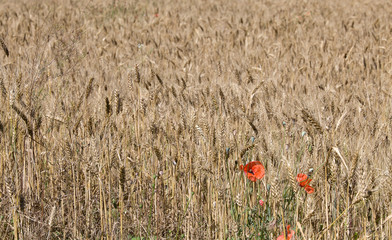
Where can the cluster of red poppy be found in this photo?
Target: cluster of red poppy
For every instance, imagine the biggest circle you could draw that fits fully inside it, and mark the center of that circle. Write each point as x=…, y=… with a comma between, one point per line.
x=304, y=181
x=255, y=171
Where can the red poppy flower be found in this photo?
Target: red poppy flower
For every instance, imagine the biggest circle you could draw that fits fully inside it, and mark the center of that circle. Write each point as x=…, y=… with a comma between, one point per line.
x=254, y=170
x=289, y=234
x=261, y=202
x=309, y=189
x=304, y=181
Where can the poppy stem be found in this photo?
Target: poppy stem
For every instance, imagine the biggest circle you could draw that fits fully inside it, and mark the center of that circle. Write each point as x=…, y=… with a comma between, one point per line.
x=234, y=207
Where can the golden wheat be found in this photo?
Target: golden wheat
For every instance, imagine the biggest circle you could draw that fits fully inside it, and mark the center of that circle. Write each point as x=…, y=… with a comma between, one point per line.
x=123, y=120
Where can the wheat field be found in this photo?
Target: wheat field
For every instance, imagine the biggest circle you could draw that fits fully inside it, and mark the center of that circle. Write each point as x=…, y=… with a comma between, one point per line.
x=130, y=119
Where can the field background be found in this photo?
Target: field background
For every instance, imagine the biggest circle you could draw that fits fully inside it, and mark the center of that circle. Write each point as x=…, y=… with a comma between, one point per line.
x=129, y=119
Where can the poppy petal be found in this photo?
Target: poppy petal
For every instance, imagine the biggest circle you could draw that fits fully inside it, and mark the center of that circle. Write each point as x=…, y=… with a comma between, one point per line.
x=289, y=234
x=281, y=237
x=250, y=165
x=303, y=180
x=305, y=183
x=258, y=171
x=309, y=189
x=301, y=177
x=254, y=170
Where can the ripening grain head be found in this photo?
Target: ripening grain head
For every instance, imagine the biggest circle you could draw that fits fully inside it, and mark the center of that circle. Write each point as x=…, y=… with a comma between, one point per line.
x=131, y=120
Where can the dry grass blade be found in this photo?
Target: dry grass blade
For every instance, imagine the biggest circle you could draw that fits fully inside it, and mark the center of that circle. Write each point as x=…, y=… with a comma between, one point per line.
x=353, y=166
x=89, y=88
x=3, y=89
x=4, y=47
x=24, y=117
x=51, y=216
x=340, y=156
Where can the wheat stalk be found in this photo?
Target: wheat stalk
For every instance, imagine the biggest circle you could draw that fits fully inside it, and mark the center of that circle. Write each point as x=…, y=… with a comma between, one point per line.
x=307, y=117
